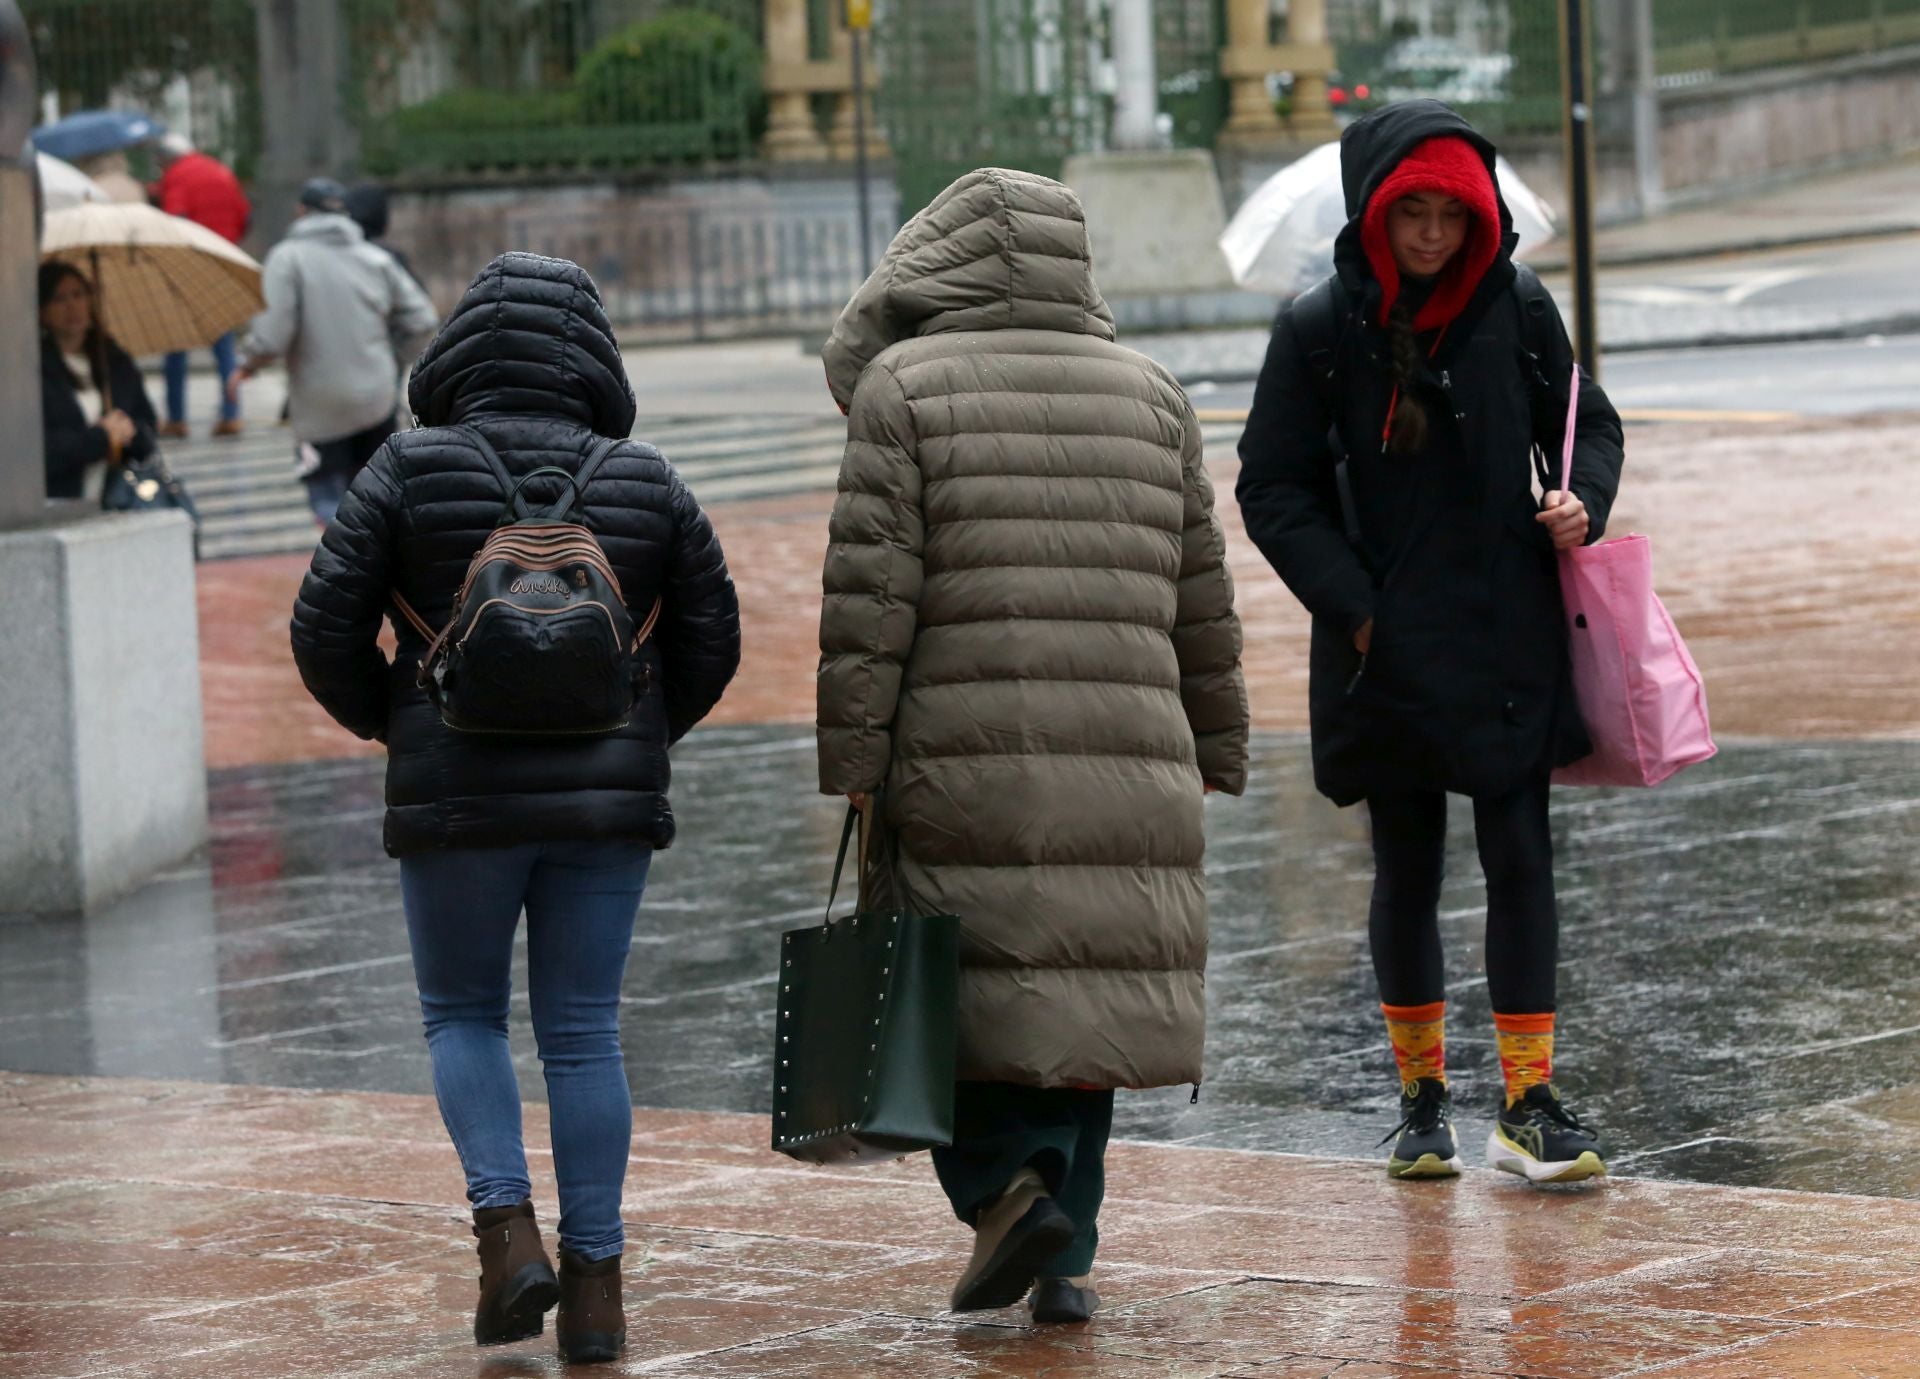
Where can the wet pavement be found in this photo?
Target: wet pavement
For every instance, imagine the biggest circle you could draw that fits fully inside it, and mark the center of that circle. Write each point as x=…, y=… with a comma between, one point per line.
x=1740, y=987
x=159, y=1230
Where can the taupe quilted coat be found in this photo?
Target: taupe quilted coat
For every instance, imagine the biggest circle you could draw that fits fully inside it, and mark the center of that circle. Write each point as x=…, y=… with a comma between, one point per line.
x=1029, y=638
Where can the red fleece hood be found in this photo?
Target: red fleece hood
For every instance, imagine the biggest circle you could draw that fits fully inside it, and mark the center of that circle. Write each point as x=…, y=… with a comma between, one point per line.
x=1452, y=167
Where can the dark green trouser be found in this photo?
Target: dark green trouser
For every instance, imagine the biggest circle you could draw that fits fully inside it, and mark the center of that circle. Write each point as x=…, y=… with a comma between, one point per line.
x=1000, y=1128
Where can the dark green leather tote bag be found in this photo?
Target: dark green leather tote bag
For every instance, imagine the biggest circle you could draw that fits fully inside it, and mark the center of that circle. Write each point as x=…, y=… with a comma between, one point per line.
x=863, y=1053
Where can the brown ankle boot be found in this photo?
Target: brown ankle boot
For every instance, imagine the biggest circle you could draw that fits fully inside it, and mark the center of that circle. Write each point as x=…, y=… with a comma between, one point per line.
x=517, y=1285
x=592, y=1325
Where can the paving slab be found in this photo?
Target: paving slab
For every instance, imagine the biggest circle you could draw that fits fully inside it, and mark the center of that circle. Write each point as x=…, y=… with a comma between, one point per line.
x=116, y=1268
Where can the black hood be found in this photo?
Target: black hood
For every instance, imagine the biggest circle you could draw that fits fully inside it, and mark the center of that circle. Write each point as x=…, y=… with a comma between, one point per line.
x=1373, y=146
x=367, y=205
x=529, y=338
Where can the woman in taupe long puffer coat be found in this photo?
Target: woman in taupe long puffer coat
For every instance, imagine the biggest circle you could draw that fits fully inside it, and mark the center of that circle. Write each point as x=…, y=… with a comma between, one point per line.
x=1029, y=641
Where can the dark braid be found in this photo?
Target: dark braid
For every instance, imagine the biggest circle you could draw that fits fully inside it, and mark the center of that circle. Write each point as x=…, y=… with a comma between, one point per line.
x=1409, y=415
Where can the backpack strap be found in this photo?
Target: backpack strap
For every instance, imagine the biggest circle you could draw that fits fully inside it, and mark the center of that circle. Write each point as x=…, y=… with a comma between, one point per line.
x=1319, y=317
x=597, y=453
x=1535, y=308
x=596, y=456
x=1319, y=321
x=398, y=444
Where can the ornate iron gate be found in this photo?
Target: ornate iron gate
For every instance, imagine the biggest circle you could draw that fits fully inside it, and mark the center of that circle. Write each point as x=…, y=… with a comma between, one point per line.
x=1189, y=35
x=986, y=83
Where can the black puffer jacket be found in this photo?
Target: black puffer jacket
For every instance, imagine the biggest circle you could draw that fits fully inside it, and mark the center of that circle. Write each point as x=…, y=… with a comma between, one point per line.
x=1466, y=686
x=71, y=443
x=528, y=358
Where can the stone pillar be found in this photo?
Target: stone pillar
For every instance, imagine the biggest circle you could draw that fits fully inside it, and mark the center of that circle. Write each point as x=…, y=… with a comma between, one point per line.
x=23, y=474
x=1250, y=58
x=1310, y=57
x=792, y=136
x=1250, y=112
x=102, y=735
x=1137, y=97
x=303, y=121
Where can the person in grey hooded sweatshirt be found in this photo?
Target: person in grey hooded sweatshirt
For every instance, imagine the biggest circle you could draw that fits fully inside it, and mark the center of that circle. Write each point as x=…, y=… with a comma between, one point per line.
x=342, y=314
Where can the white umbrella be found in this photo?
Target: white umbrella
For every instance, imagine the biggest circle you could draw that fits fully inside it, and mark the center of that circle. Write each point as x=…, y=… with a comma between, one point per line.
x=64, y=186
x=160, y=283
x=1281, y=240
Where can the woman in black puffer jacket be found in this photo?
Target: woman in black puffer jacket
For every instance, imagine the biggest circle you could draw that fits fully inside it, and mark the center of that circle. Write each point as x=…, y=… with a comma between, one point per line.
x=482, y=827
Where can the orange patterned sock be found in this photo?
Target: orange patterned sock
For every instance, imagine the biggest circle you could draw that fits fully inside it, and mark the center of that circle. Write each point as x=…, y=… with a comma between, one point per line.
x=1526, y=1051
x=1419, y=1035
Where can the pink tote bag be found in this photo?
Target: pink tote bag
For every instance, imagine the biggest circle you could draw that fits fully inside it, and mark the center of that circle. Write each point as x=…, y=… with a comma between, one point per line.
x=1639, y=691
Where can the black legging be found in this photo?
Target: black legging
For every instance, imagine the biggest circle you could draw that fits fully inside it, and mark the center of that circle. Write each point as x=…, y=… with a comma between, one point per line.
x=1523, y=922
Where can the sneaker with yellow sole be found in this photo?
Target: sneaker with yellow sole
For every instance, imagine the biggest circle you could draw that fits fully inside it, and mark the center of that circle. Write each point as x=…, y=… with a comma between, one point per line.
x=1540, y=1140
x=1424, y=1145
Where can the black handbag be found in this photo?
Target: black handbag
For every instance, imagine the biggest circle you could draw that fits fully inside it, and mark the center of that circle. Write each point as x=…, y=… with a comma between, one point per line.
x=863, y=1055
x=137, y=486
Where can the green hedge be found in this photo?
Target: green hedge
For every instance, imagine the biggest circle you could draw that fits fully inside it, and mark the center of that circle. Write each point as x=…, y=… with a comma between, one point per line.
x=682, y=87
x=684, y=68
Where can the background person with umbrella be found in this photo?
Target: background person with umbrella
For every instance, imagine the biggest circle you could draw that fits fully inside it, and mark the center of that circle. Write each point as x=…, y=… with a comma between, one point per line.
x=96, y=142
x=341, y=312
x=93, y=403
x=200, y=188
x=159, y=283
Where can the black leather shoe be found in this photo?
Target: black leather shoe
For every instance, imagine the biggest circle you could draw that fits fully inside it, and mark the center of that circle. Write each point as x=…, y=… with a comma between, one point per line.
x=1062, y=1301
x=1005, y=1265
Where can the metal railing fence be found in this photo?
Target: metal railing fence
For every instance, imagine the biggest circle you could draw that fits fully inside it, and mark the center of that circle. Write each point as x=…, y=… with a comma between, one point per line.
x=697, y=269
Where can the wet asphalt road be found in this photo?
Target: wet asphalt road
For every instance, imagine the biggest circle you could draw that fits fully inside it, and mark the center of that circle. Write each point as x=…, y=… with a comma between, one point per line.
x=1740, y=985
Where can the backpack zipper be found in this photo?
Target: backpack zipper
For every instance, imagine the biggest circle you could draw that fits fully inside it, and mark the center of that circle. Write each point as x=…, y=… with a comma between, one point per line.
x=612, y=626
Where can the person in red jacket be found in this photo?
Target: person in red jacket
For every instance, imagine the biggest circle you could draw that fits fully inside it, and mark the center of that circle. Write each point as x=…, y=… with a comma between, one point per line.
x=202, y=189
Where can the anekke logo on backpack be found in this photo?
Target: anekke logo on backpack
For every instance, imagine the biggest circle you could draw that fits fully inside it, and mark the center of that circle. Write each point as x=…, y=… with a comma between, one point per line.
x=544, y=584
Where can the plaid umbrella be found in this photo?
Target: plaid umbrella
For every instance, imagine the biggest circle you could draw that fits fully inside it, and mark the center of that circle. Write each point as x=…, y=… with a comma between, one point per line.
x=160, y=283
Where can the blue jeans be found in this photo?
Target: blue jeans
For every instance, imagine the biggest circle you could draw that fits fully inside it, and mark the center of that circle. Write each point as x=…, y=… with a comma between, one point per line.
x=223, y=360
x=463, y=906
x=326, y=490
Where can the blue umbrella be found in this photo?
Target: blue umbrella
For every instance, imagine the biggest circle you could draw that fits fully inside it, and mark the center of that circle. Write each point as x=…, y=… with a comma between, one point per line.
x=93, y=132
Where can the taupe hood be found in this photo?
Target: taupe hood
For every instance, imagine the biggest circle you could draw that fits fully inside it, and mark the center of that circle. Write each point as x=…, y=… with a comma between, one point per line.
x=997, y=250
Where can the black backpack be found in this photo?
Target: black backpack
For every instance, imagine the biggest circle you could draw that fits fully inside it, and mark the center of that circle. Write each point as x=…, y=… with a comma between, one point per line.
x=540, y=641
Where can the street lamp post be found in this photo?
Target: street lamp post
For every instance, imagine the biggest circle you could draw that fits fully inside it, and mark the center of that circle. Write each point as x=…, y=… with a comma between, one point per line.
x=1576, y=59
x=859, y=24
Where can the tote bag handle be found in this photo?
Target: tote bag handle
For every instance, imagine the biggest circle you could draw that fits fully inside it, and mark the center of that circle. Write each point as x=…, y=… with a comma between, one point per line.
x=1566, y=445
